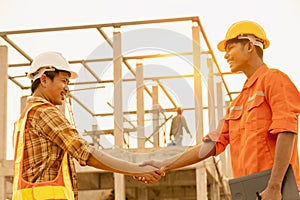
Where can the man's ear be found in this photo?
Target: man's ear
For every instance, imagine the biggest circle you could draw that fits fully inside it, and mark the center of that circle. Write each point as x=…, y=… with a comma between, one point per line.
x=43, y=79
x=250, y=46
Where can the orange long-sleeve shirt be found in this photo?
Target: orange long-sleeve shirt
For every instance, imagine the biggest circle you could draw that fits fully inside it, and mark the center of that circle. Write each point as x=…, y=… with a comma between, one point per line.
x=268, y=104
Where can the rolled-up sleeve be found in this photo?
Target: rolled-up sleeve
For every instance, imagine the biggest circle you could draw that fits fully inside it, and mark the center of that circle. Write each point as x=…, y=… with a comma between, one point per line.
x=284, y=100
x=220, y=136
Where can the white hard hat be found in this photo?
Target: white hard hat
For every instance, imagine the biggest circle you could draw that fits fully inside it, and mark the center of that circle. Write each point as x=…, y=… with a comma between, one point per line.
x=49, y=61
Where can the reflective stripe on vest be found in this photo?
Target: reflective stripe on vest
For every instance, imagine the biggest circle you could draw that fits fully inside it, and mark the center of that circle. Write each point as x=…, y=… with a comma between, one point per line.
x=59, y=188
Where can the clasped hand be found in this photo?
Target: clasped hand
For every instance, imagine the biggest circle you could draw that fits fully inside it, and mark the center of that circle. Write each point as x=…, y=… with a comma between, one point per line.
x=153, y=176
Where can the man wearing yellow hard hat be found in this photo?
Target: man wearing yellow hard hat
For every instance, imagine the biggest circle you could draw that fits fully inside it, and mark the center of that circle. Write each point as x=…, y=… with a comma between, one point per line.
x=261, y=124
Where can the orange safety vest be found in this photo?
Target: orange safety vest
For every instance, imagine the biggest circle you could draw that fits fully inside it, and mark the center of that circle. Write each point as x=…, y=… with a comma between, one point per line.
x=59, y=188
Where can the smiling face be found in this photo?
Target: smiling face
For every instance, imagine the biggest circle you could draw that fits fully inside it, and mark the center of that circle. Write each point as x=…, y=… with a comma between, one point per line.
x=54, y=90
x=237, y=55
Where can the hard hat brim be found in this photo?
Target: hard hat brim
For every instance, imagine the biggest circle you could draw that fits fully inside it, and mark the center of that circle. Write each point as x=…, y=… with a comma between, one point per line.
x=221, y=45
x=50, y=60
x=73, y=74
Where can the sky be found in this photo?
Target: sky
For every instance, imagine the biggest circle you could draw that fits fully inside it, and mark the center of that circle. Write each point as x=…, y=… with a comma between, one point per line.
x=279, y=18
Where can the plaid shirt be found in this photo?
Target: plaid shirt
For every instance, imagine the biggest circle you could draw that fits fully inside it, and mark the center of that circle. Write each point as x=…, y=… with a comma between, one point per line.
x=48, y=134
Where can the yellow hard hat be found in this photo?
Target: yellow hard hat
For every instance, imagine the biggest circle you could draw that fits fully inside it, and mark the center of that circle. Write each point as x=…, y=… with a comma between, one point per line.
x=245, y=28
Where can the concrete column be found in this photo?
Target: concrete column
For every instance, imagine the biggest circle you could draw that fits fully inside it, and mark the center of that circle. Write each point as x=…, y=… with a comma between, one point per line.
x=197, y=83
x=155, y=120
x=201, y=172
x=215, y=190
x=228, y=171
x=140, y=110
x=118, y=107
x=211, y=96
x=220, y=101
x=119, y=185
x=3, y=115
x=95, y=137
x=2, y=187
x=220, y=115
x=3, y=99
x=201, y=183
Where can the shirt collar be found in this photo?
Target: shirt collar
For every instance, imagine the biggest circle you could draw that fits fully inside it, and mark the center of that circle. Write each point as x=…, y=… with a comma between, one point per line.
x=37, y=99
x=255, y=76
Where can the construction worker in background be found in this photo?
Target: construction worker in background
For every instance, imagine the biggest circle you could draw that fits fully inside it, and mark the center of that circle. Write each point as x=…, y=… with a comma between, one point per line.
x=45, y=143
x=177, y=125
x=261, y=123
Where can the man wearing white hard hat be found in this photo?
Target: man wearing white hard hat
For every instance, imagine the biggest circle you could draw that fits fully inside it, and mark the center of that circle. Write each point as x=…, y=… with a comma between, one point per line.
x=261, y=124
x=45, y=143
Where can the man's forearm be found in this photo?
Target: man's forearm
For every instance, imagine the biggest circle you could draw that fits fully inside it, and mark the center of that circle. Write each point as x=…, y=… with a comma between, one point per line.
x=102, y=160
x=283, y=154
x=191, y=156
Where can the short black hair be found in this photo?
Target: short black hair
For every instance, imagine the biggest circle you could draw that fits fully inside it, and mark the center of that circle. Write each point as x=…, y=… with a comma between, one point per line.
x=49, y=74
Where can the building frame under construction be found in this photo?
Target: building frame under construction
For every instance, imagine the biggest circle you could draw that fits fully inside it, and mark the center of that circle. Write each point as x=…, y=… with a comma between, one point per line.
x=204, y=180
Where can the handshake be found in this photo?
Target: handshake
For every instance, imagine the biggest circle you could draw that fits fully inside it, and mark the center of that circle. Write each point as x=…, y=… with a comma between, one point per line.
x=148, y=172
x=151, y=172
